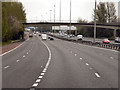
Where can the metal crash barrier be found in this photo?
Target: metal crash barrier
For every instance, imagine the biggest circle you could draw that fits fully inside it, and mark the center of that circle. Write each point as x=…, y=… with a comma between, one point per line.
x=97, y=44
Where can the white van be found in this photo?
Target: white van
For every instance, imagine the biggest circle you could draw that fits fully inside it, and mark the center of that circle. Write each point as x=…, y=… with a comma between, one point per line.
x=44, y=36
x=79, y=37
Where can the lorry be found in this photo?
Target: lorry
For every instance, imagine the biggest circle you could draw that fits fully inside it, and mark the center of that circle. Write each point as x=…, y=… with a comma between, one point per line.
x=44, y=36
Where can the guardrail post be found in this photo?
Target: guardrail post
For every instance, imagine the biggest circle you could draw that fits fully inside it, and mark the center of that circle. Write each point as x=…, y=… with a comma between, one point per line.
x=115, y=33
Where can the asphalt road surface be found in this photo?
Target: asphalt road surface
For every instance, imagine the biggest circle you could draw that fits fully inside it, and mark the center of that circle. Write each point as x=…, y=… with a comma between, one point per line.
x=71, y=65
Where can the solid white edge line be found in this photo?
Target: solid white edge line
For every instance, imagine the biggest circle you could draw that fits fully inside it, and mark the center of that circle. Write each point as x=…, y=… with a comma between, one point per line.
x=12, y=49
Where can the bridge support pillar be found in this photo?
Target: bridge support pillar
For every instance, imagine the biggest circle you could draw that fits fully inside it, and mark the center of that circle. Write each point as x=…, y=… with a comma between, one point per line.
x=115, y=33
x=75, y=32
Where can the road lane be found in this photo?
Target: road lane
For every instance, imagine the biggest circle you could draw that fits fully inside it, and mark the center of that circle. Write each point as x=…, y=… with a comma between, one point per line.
x=72, y=65
x=77, y=66
x=22, y=74
x=100, y=60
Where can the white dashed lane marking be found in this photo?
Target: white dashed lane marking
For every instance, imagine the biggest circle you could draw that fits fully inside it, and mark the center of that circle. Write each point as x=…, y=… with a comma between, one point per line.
x=75, y=54
x=23, y=56
x=38, y=80
x=40, y=77
x=87, y=64
x=97, y=75
x=17, y=60
x=42, y=74
x=35, y=85
x=80, y=58
x=44, y=70
x=6, y=67
x=111, y=57
x=27, y=52
x=91, y=68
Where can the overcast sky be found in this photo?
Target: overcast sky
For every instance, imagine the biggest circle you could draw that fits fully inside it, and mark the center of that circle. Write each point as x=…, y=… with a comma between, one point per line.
x=40, y=9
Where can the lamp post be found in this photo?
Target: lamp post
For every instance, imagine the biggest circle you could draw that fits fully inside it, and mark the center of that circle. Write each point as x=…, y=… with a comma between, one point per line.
x=60, y=14
x=95, y=22
x=50, y=15
x=70, y=16
x=54, y=16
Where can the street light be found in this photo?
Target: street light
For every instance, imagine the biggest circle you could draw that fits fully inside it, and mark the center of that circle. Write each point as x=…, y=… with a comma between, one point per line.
x=70, y=16
x=60, y=10
x=50, y=20
x=54, y=16
x=60, y=14
x=50, y=15
x=95, y=22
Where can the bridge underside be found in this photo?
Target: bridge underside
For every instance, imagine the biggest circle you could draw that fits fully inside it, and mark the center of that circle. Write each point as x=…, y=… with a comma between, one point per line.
x=43, y=24
x=73, y=24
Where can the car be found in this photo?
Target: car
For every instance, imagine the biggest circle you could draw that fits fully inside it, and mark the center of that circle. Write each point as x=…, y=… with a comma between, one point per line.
x=44, y=36
x=80, y=37
x=106, y=41
x=51, y=38
x=30, y=35
x=39, y=34
x=117, y=40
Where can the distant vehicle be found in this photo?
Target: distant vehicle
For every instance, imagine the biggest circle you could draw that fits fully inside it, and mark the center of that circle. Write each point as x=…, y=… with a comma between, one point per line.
x=71, y=35
x=80, y=37
x=30, y=34
x=106, y=41
x=39, y=34
x=117, y=39
x=44, y=36
x=51, y=38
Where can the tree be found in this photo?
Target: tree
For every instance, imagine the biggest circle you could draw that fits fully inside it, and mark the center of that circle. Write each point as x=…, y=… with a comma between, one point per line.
x=106, y=13
x=111, y=12
x=101, y=13
x=12, y=18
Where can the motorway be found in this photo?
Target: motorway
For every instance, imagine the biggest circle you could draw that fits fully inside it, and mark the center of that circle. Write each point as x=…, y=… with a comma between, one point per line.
x=71, y=65
x=87, y=39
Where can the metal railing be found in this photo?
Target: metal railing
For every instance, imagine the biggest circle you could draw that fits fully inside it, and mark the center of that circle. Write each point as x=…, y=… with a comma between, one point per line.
x=97, y=44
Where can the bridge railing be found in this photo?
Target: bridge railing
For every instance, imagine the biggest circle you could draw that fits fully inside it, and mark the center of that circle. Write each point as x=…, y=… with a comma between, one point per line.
x=97, y=44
